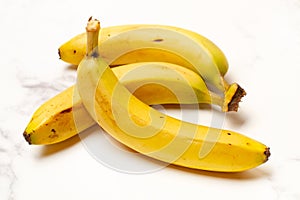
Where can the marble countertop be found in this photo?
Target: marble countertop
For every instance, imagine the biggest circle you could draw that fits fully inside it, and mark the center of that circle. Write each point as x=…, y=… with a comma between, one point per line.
x=261, y=39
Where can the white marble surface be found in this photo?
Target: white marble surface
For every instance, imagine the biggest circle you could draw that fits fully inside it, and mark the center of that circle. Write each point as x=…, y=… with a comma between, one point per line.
x=261, y=39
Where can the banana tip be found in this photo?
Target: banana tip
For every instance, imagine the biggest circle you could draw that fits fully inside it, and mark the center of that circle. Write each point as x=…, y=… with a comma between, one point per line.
x=59, y=54
x=27, y=137
x=267, y=153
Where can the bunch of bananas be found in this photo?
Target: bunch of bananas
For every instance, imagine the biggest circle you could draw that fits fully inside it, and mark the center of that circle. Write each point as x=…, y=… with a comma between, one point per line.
x=122, y=70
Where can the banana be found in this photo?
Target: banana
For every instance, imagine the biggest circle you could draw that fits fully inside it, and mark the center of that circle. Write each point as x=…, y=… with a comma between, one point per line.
x=151, y=82
x=136, y=43
x=75, y=49
x=150, y=132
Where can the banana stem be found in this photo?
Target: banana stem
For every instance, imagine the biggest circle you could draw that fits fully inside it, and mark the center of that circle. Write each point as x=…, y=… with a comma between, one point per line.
x=216, y=99
x=233, y=94
x=226, y=85
x=92, y=29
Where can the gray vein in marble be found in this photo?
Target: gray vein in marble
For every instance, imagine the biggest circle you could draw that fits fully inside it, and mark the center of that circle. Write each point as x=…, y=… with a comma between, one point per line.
x=7, y=156
x=35, y=92
x=38, y=90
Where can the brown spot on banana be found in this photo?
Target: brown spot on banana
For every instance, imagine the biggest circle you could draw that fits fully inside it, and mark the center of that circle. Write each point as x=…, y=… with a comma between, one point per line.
x=53, y=134
x=158, y=40
x=66, y=110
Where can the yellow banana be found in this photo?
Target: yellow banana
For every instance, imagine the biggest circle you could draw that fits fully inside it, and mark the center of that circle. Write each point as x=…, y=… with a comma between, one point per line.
x=153, y=133
x=151, y=82
x=74, y=50
x=136, y=43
